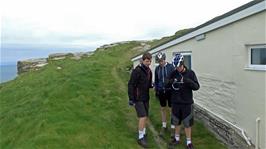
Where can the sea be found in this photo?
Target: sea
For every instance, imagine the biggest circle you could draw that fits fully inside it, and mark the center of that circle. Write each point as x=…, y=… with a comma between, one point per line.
x=11, y=53
x=8, y=72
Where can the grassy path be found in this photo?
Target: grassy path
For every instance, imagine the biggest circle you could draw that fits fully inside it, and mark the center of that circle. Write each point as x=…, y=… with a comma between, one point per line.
x=155, y=136
x=81, y=106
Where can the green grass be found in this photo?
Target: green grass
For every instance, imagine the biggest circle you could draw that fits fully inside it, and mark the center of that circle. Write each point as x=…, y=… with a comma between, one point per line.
x=166, y=39
x=82, y=105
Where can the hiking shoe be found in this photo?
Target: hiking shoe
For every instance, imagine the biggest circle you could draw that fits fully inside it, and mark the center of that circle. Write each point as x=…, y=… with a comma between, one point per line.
x=142, y=142
x=173, y=142
x=146, y=137
x=172, y=133
x=163, y=132
x=190, y=146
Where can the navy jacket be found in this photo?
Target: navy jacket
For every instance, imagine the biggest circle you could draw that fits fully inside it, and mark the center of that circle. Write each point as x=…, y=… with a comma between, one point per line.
x=161, y=75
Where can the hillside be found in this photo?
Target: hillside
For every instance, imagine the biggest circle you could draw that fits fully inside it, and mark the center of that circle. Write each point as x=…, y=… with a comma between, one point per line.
x=157, y=42
x=82, y=105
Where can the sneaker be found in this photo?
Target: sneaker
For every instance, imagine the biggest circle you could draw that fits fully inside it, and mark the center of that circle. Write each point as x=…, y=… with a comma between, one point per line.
x=146, y=137
x=172, y=133
x=142, y=142
x=190, y=146
x=173, y=142
x=163, y=132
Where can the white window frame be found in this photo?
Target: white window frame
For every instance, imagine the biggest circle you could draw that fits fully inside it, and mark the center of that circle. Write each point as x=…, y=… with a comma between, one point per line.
x=252, y=66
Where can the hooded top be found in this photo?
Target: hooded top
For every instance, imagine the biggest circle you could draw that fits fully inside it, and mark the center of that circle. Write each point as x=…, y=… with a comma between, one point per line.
x=161, y=76
x=184, y=94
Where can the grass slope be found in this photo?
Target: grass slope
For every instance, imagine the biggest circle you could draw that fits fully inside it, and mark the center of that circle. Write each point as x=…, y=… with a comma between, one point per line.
x=82, y=105
x=157, y=42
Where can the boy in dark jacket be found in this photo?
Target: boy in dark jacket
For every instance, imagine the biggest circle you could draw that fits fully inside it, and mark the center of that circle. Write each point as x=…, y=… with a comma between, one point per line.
x=138, y=92
x=183, y=81
x=163, y=93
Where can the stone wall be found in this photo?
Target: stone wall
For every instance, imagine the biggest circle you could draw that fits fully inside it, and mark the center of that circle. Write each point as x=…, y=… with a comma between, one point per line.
x=222, y=130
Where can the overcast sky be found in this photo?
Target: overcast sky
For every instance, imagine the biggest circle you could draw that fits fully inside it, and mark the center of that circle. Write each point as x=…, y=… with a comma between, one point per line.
x=91, y=23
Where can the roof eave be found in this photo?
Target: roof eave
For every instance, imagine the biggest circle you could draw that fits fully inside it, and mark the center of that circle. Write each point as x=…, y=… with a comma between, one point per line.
x=239, y=13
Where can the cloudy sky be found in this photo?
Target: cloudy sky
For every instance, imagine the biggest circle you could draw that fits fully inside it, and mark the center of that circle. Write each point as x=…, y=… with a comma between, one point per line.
x=29, y=27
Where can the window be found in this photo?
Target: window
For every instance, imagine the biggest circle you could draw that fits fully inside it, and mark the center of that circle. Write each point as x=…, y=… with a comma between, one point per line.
x=187, y=58
x=257, y=57
x=155, y=60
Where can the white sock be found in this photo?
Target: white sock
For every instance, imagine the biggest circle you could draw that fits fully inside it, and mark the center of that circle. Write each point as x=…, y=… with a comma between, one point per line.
x=177, y=137
x=188, y=141
x=173, y=126
x=164, y=124
x=144, y=131
x=141, y=134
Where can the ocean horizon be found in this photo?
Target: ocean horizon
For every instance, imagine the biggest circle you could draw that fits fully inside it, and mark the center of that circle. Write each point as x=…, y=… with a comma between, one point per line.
x=8, y=72
x=12, y=53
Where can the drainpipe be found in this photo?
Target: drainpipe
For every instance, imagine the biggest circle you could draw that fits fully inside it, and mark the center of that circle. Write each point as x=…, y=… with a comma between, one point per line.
x=245, y=136
x=257, y=133
x=240, y=129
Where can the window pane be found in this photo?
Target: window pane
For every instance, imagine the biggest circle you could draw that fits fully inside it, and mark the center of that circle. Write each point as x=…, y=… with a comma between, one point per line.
x=258, y=56
x=187, y=61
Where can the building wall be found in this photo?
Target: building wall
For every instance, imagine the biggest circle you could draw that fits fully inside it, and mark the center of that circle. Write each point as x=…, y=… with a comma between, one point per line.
x=135, y=63
x=228, y=89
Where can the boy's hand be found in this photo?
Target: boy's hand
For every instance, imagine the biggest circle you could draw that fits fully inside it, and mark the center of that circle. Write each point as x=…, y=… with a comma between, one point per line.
x=131, y=102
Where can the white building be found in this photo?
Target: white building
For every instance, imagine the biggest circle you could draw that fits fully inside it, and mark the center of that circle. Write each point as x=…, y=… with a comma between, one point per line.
x=228, y=54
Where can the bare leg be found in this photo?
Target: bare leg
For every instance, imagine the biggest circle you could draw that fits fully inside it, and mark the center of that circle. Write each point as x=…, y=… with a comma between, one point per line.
x=170, y=117
x=177, y=129
x=188, y=132
x=188, y=135
x=142, y=123
x=176, y=136
x=163, y=112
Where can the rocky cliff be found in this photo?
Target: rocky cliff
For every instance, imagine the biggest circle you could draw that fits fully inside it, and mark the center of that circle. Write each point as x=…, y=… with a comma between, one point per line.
x=36, y=64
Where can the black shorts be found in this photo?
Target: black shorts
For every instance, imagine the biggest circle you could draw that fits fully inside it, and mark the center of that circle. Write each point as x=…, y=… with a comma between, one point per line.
x=165, y=98
x=142, y=108
x=182, y=113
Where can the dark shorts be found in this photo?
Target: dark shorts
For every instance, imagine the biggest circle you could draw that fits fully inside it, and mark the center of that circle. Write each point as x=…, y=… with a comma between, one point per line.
x=165, y=98
x=142, y=108
x=182, y=113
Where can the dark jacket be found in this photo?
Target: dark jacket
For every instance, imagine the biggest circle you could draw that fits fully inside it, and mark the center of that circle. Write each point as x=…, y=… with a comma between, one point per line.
x=161, y=75
x=139, y=83
x=190, y=82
